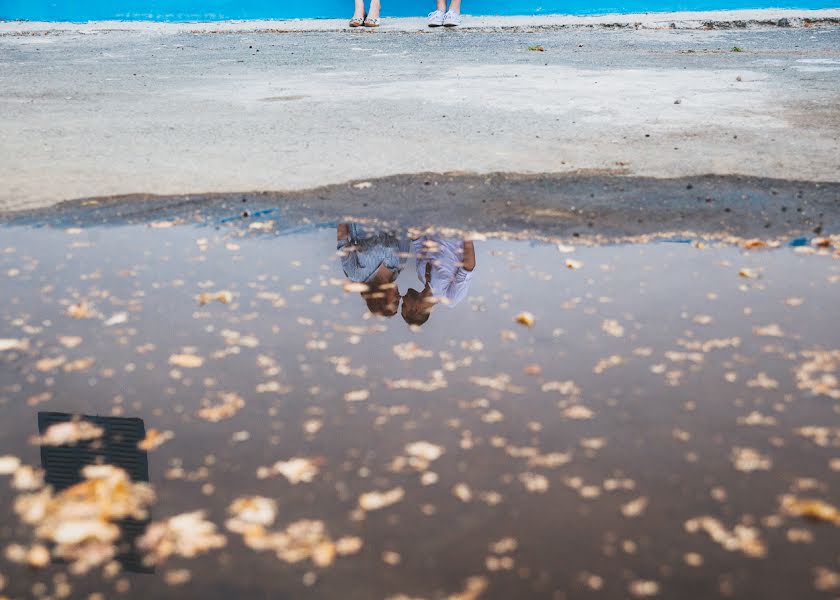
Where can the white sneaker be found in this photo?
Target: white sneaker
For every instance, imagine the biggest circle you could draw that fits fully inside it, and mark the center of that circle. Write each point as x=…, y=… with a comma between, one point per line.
x=436, y=18
x=451, y=19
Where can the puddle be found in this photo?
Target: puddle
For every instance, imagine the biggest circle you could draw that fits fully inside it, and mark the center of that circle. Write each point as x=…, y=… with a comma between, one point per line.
x=647, y=435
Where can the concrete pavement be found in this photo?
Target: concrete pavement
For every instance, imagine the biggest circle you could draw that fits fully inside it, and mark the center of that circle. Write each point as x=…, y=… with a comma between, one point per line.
x=93, y=110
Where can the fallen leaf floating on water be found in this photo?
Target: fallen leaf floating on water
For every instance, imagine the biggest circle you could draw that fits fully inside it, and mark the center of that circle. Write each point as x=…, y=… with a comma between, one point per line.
x=748, y=460
x=8, y=464
x=357, y=396
x=816, y=510
x=352, y=287
x=772, y=330
x=534, y=482
x=578, y=412
x=80, y=310
x=37, y=555
x=7, y=344
x=525, y=318
x=348, y=545
x=463, y=492
x=377, y=500
x=504, y=546
x=80, y=520
x=634, y=508
x=249, y=512
x=742, y=538
x=820, y=435
x=186, y=361
x=116, y=319
x=27, y=478
x=424, y=450
x=186, y=535
x=819, y=373
x=573, y=264
x=473, y=588
x=296, y=470
x=756, y=418
x=826, y=580
x=437, y=381
x=607, y=363
x=230, y=405
x=177, y=577
x=764, y=381
x=81, y=364
x=69, y=432
x=612, y=327
x=748, y=273
x=643, y=588
x=302, y=539
x=223, y=296
x=500, y=382
x=312, y=426
x=155, y=439
x=566, y=388
x=410, y=351
x=552, y=460
x=69, y=341
x=48, y=364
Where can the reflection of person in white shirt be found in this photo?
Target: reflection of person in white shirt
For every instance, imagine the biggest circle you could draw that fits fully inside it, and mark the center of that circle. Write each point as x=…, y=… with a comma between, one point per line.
x=445, y=268
x=376, y=259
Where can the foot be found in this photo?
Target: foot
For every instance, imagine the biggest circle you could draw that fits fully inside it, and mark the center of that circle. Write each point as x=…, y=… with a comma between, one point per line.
x=451, y=19
x=436, y=18
x=358, y=15
x=373, y=12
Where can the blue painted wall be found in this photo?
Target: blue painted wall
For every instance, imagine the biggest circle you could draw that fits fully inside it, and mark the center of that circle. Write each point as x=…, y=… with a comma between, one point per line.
x=211, y=10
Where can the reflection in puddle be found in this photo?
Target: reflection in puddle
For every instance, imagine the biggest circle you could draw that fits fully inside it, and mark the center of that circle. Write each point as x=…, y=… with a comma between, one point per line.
x=375, y=259
x=664, y=423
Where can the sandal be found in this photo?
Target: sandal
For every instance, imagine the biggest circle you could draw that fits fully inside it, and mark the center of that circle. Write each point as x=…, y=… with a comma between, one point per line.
x=358, y=21
x=371, y=22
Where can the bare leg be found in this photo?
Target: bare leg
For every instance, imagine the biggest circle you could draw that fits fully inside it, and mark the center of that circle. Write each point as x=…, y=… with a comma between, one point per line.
x=373, y=11
x=441, y=5
x=455, y=6
x=359, y=12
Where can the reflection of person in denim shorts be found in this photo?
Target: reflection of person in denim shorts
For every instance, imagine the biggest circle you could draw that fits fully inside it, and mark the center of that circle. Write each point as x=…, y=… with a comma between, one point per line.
x=375, y=258
x=445, y=268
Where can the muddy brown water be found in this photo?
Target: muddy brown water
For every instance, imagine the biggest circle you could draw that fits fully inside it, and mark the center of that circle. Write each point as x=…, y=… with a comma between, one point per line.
x=661, y=378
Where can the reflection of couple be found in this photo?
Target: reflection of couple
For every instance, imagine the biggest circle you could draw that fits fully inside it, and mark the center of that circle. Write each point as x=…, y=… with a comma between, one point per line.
x=444, y=267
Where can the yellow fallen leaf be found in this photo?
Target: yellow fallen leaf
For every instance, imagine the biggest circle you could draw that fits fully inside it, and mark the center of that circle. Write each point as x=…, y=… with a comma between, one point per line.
x=80, y=310
x=186, y=361
x=223, y=296
x=816, y=510
x=525, y=318
x=377, y=500
x=155, y=439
